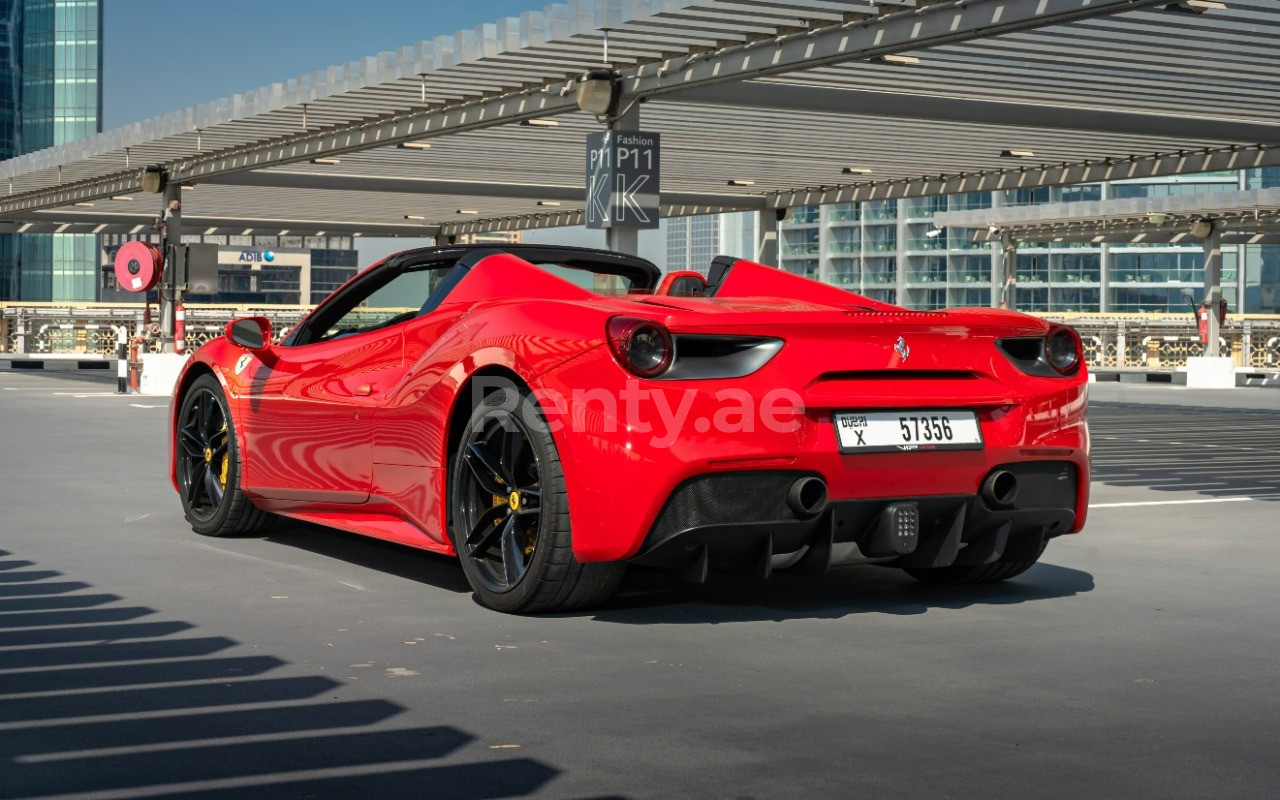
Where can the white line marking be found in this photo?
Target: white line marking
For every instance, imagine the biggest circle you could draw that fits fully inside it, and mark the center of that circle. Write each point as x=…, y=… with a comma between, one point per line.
x=1178, y=502
x=140, y=405
x=273, y=562
x=90, y=394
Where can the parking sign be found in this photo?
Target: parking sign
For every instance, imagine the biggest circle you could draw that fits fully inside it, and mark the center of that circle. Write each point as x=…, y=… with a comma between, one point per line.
x=623, y=175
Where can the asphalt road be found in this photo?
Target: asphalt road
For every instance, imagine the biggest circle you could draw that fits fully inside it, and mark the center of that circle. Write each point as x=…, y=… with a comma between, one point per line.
x=1139, y=660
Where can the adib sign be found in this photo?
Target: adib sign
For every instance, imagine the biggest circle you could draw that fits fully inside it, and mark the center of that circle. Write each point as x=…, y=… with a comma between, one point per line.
x=261, y=258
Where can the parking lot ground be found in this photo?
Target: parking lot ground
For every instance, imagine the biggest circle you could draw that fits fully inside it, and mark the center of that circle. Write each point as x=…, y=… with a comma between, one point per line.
x=1138, y=660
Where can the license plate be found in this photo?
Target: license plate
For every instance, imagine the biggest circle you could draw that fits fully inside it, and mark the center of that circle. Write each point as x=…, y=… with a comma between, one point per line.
x=907, y=431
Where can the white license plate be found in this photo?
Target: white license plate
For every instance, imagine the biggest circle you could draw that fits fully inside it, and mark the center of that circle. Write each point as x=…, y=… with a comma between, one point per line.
x=907, y=431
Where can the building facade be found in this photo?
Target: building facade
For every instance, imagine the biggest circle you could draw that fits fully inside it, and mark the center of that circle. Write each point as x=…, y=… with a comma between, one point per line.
x=693, y=241
x=50, y=94
x=891, y=251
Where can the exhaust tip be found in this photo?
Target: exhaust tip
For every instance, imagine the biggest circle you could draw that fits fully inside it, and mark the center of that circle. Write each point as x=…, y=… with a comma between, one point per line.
x=1000, y=489
x=807, y=497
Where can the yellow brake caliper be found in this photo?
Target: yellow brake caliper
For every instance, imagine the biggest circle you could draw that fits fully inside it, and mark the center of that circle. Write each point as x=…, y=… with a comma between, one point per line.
x=226, y=460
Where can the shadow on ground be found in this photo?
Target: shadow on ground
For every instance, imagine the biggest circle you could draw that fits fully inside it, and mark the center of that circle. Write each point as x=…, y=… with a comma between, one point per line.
x=100, y=696
x=649, y=596
x=1216, y=452
x=420, y=566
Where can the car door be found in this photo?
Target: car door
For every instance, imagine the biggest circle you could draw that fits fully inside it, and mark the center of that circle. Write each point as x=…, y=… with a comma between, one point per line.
x=312, y=410
x=310, y=417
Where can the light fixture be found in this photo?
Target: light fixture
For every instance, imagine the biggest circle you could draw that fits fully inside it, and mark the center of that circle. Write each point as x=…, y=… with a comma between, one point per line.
x=539, y=122
x=897, y=60
x=1196, y=6
x=1156, y=218
x=548, y=202
x=1017, y=154
x=598, y=92
x=419, y=145
x=123, y=198
x=414, y=217
x=326, y=160
x=153, y=180
x=1201, y=228
x=467, y=211
x=85, y=204
x=739, y=182
x=856, y=170
x=933, y=234
x=993, y=229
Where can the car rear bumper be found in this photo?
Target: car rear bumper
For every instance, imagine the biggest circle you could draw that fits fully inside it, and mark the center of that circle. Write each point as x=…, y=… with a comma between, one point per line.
x=743, y=522
x=620, y=476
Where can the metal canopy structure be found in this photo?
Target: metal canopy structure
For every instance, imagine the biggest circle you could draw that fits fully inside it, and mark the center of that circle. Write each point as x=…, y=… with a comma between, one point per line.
x=917, y=97
x=1248, y=217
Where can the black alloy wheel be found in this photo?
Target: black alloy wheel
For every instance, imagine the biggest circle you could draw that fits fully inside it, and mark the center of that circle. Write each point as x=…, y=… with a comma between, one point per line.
x=204, y=458
x=208, y=465
x=509, y=513
x=502, y=500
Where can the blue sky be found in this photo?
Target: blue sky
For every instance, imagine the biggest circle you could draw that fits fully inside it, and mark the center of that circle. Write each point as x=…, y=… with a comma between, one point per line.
x=164, y=57
x=161, y=57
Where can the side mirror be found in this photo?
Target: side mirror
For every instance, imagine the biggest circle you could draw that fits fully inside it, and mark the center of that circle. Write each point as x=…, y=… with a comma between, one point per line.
x=251, y=333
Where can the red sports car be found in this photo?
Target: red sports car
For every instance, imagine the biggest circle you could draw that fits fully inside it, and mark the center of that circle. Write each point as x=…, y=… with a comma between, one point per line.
x=552, y=414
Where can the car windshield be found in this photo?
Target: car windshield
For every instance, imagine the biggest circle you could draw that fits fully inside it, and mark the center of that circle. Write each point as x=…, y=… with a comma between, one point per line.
x=397, y=300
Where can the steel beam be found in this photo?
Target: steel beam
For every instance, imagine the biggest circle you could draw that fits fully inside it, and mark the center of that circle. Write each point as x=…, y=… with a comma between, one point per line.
x=1144, y=234
x=928, y=26
x=914, y=29
x=559, y=219
x=823, y=100
x=1150, y=166
x=527, y=191
x=129, y=224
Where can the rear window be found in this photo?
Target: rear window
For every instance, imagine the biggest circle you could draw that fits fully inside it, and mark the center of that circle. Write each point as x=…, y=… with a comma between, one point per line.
x=598, y=282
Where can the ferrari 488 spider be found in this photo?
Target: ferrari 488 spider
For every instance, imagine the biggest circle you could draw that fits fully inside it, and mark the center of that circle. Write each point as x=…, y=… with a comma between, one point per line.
x=550, y=415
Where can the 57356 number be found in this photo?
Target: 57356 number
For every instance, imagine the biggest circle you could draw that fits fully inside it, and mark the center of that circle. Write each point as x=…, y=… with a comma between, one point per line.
x=925, y=429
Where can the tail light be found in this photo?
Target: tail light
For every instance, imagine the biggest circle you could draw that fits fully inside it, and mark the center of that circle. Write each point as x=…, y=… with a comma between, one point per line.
x=642, y=346
x=1063, y=349
x=1059, y=353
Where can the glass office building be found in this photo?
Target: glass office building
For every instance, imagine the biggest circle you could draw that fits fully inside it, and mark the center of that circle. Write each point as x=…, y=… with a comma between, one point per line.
x=50, y=94
x=890, y=250
x=693, y=241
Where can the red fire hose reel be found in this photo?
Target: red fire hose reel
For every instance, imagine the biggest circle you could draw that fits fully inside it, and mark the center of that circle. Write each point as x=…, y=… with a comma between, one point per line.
x=138, y=266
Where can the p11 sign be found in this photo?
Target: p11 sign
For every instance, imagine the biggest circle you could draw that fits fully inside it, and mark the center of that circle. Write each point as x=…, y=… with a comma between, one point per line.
x=623, y=177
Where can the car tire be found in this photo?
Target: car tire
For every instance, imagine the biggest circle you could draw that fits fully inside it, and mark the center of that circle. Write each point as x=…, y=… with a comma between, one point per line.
x=547, y=578
x=216, y=506
x=974, y=574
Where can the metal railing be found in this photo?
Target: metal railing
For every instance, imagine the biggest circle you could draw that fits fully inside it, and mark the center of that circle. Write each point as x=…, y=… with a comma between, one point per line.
x=1139, y=341
x=1160, y=342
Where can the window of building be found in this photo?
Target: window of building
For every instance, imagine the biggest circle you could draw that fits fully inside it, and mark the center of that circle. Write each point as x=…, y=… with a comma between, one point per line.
x=971, y=269
x=1033, y=268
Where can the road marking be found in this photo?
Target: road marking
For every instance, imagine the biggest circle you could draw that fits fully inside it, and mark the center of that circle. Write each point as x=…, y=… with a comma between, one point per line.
x=300, y=568
x=1179, y=502
x=90, y=394
x=140, y=405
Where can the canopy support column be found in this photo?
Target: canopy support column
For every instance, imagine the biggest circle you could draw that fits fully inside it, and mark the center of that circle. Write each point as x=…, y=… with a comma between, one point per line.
x=767, y=237
x=174, y=280
x=1213, y=286
x=624, y=240
x=1007, y=273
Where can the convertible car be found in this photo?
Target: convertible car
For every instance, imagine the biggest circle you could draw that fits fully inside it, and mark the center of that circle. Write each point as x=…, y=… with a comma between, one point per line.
x=550, y=415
